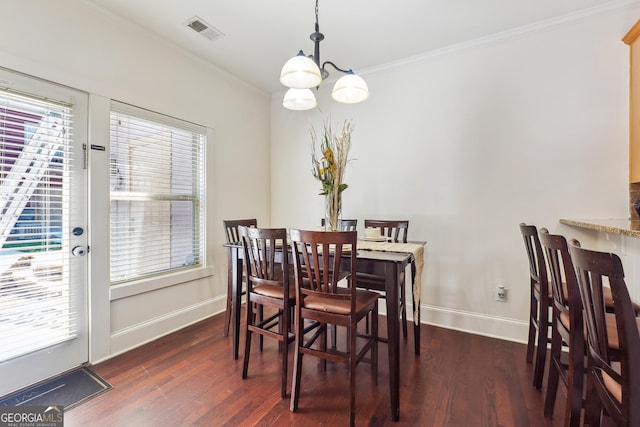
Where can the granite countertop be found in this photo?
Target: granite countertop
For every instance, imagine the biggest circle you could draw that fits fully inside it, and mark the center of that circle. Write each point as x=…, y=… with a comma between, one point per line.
x=621, y=226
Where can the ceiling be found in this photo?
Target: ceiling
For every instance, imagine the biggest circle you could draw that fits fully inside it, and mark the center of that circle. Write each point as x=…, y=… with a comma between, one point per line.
x=260, y=35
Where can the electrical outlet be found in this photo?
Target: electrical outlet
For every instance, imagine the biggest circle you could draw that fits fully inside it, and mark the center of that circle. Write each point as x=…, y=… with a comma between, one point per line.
x=501, y=293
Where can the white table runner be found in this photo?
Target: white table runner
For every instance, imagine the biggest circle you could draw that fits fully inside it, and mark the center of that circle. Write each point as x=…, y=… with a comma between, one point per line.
x=418, y=252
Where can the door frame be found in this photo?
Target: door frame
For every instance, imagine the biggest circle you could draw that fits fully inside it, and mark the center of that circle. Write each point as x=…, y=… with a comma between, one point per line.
x=37, y=366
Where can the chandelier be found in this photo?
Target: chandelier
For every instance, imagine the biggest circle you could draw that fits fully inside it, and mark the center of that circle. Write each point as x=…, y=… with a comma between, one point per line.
x=301, y=73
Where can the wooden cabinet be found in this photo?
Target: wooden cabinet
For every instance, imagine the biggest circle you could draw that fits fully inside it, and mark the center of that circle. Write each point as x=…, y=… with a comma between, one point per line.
x=633, y=40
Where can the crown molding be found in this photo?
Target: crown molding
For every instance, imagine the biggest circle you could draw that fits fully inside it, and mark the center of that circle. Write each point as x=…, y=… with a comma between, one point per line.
x=509, y=34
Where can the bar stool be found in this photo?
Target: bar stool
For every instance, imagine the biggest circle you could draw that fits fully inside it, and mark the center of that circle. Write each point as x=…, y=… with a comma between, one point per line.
x=540, y=302
x=396, y=231
x=318, y=265
x=267, y=286
x=567, y=331
x=232, y=236
x=613, y=381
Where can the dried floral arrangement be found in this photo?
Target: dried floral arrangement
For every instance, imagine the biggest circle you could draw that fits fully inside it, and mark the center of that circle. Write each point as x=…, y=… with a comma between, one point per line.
x=328, y=166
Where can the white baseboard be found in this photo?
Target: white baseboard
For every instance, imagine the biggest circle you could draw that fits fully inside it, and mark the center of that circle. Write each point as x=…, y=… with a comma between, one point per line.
x=465, y=321
x=475, y=323
x=140, y=334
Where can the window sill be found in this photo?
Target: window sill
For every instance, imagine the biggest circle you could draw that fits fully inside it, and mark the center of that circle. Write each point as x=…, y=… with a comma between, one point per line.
x=125, y=290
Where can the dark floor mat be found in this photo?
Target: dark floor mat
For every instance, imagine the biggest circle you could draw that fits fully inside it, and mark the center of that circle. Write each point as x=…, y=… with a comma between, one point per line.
x=68, y=390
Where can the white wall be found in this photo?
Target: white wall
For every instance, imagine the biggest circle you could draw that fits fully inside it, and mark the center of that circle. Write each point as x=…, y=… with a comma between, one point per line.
x=528, y=126
x=75, y=44
x=466, y=144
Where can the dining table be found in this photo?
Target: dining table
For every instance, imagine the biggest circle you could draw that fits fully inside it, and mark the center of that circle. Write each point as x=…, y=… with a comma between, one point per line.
x=386, y=259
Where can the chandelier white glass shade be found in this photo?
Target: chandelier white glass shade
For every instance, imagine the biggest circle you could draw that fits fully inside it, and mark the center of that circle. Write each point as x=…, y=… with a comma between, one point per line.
x=299, y=99
x=350, y=89
x=300, y=72
x=304, y=72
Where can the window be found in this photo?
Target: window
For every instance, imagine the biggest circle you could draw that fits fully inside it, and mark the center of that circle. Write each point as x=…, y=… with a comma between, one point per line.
x=157, y=194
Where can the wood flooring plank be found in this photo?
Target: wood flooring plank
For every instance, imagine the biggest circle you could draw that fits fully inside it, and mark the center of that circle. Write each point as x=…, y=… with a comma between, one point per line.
x=189, y=378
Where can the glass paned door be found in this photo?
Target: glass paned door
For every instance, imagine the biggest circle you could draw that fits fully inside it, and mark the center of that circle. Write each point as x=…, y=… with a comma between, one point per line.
x=43, y=262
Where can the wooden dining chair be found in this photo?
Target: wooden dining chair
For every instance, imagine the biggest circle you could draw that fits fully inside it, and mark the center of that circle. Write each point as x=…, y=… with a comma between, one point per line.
x=613, y=381
x=567, y=332
x=344, y=224
x=396, y=231
x=320, y=259
x=268, y=286
x=539, y=304
x=232, y=236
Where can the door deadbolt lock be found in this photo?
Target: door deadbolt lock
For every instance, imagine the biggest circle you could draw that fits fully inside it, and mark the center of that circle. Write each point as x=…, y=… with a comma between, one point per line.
x=79, y=251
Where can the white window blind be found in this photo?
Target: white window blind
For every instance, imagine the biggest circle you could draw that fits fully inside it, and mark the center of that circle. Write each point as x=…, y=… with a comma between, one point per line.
x=37, y=307
x=157, y=194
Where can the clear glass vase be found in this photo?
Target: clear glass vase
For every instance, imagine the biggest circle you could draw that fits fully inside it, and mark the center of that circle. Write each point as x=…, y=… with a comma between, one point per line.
x=332, y=210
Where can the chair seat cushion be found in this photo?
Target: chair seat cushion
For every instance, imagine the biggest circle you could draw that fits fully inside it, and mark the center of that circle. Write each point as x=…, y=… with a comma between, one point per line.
x=273, y=291
x=564, y=319
x=340, y=306
x=613, y=386
x=566, y=322
x=537, y=286
x=612, y=331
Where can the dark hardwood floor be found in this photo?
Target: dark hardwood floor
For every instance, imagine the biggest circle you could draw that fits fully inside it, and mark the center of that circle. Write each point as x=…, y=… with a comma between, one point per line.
x=189, y=378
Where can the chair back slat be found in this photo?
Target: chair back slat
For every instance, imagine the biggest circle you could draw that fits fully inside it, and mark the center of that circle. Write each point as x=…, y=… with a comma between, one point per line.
x=319, y=259
x=260, y=247
x=348, y=224
x=231, y=228
x=344, y=224
x=396, y=230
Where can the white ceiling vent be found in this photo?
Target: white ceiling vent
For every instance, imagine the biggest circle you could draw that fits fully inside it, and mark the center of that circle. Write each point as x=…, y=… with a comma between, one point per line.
x=200, y=26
